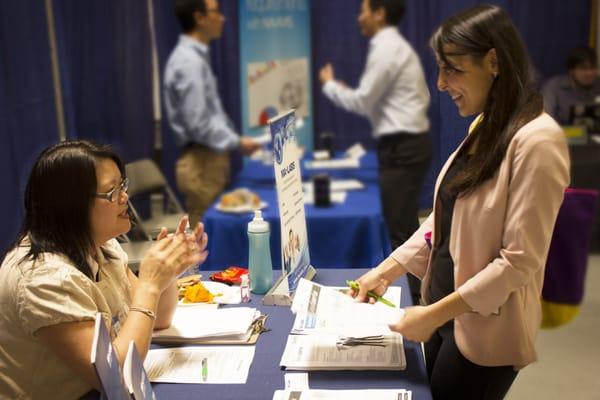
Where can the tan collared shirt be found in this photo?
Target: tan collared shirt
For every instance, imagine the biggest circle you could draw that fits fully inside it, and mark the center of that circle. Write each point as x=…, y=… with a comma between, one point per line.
x=47, y=292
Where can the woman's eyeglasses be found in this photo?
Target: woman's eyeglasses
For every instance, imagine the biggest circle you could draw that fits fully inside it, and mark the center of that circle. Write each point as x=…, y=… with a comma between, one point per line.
x=114, y=194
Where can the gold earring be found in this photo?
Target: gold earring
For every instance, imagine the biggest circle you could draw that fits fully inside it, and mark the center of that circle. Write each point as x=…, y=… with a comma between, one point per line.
x=495, y=74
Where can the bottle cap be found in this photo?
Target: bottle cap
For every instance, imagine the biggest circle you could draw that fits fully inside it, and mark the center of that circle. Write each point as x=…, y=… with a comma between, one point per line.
x=244, y=279
x=258, y=224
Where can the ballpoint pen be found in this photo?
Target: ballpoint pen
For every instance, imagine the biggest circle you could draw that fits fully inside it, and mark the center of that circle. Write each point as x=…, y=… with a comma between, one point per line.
x=204, y=369
x=355, y=286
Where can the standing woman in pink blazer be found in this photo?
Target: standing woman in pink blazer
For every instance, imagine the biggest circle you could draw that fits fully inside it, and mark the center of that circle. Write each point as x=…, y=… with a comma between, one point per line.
x=496, y=202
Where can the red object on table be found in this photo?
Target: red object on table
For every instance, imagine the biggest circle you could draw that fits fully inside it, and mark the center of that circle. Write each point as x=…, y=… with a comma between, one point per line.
x=230, y=276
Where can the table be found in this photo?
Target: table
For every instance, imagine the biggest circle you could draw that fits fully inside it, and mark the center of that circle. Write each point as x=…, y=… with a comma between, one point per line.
x=265, y=375
x=352, y=234
x=585, y=165
x=255, y=172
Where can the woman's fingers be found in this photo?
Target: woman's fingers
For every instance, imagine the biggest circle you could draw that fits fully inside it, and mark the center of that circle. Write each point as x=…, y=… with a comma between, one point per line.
x=163, y=243
x=203, y=242
x=203, y=255
x=362, y=293
x=162, y=234
x=199, y=230
x=175, y=253
x=178, y=240
x=183, y=222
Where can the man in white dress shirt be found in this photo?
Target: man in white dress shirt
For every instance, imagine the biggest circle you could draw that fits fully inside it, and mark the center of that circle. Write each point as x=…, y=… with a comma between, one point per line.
x=393, y=95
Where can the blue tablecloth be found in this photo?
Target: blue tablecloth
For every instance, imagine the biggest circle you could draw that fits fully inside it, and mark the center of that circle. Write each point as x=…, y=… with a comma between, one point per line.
x=352, y=234
x=265, y=375
x=341, y=236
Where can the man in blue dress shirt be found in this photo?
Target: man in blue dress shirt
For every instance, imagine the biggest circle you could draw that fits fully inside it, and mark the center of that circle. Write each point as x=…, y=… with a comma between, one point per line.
x=201, y=127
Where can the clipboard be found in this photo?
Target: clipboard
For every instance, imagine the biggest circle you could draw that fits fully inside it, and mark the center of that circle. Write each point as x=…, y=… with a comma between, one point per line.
x=251, y=337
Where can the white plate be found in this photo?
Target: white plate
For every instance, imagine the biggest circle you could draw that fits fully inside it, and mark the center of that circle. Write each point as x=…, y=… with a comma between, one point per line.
x=241, y=209
x=229, y=294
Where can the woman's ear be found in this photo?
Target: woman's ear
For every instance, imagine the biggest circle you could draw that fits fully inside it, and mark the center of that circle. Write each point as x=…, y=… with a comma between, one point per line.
x=492, y=62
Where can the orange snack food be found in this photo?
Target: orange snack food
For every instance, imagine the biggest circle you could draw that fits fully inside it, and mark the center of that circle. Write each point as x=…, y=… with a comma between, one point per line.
x=197, y=293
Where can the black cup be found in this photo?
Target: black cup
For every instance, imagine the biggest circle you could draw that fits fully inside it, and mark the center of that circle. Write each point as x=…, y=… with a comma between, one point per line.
x=321, y=185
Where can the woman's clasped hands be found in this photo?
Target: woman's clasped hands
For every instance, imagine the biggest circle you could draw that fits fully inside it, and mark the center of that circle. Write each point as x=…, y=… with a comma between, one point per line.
x=173, y=254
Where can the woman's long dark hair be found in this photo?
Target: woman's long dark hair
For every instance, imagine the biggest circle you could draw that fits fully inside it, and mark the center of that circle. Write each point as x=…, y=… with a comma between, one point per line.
x=59, y=197
x=512, y=101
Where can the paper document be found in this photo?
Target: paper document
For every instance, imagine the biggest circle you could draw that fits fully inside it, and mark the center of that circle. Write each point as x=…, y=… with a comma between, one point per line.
x=333, y=164
x=210, y=364
x=296, y=381
x=337, y=185
x=356, y=151
x=324, y=309
x=321, y=155
x=336, y=197
x=315, y=394
x=194, y=323
x=334, y=332
x=322, y=352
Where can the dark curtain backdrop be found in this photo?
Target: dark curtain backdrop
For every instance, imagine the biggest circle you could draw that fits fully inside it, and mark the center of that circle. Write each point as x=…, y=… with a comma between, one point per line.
x=549, y=36
x=27, y=113
x=104, y=49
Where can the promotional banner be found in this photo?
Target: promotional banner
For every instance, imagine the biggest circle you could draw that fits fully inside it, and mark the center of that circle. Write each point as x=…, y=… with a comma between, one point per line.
x=275, y=64
x=290, y=198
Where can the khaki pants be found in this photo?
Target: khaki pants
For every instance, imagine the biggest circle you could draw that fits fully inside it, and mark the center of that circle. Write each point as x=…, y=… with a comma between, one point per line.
x=202, y=175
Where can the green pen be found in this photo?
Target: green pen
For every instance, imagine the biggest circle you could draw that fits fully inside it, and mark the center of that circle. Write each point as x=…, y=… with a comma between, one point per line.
x=354, y=286
x=204, y=369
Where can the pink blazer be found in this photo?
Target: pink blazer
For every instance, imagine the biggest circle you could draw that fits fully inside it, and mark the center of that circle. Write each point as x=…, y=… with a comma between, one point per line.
x=499, y=241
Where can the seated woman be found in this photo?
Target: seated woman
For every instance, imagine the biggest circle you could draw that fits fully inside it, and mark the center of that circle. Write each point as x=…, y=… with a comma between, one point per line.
x=66, y=266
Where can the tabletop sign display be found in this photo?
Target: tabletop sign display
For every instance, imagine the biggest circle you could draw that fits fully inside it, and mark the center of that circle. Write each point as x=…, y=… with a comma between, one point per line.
x=106, y=364
x=135, y=377
x=295, y=257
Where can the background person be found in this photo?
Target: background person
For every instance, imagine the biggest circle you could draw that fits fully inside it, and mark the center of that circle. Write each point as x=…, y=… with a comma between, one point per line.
x=581, y=85
x=496, y=202
x=200, y=125
x=393, y=95
x=66, y=266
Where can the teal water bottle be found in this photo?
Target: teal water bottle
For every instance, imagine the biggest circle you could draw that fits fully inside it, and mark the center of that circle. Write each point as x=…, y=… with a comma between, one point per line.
x=259, y=255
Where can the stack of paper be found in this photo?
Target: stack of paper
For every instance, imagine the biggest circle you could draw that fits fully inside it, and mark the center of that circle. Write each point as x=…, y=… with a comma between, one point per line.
x=374, y=394
x=338, y=163
x=333, y=332
x=206, y=364
x=201, y=325
x=323, y=309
